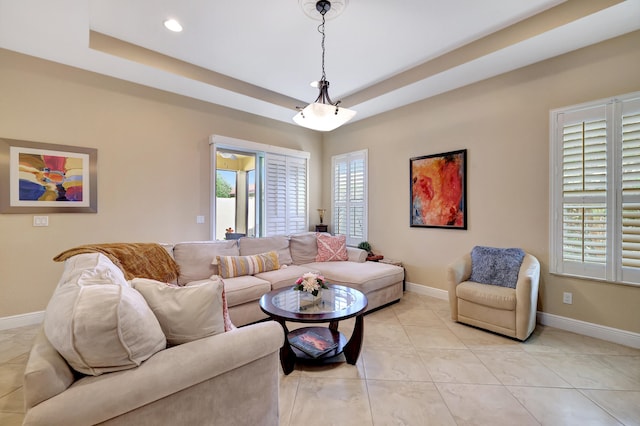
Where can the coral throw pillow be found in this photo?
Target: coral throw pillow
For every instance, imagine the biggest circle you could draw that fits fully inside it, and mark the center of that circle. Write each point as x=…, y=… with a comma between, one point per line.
x=331, y=248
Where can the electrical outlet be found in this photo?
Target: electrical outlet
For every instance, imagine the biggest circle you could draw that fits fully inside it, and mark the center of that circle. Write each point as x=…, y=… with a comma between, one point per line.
x=199, y=219
x=567, y=298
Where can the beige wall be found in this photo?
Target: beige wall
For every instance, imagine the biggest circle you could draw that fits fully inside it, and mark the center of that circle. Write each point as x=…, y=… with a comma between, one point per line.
x=504, y=124
x=153, y=165
x=154, y=172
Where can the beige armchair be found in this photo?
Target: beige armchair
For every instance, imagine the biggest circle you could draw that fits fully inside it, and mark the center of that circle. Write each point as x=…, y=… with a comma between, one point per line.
x=508, y=311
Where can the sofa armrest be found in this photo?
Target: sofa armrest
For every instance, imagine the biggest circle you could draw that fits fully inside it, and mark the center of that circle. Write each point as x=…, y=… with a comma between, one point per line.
x=459, y=271
x=356, y=255
x=97, y=399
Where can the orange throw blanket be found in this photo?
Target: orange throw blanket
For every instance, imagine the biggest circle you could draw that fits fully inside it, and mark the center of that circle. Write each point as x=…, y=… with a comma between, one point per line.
x=136, y=260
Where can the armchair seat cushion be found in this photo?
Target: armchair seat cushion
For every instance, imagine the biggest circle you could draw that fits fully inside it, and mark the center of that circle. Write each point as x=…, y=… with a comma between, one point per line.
x=487, y=295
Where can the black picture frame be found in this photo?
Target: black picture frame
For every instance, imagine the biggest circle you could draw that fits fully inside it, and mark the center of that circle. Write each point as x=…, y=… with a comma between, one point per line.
x=438, y=188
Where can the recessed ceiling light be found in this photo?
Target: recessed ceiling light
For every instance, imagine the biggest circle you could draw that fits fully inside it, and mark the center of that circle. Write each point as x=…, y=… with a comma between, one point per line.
x=173, y=25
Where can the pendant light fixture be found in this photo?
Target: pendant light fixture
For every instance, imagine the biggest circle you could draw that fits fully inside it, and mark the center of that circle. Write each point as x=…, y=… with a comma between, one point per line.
x=323, y=114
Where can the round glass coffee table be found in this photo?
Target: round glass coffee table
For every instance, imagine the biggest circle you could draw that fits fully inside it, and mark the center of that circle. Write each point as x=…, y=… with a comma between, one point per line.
x=317, y=344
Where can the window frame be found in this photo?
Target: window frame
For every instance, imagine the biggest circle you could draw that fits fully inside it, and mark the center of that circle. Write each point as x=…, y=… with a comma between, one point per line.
x=262, y=151
x=611, y=111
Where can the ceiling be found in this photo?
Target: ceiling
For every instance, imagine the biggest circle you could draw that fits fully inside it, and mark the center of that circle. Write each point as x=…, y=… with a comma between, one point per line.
x=260, y=56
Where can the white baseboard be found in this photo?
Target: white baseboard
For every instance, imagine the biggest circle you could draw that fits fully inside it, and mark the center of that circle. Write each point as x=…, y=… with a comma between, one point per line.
x=427, y=291
x=602, y=332
x=610, y=334
x=22, y=320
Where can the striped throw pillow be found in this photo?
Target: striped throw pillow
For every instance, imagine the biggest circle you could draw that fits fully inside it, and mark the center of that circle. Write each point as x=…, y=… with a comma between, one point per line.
x=236, y=266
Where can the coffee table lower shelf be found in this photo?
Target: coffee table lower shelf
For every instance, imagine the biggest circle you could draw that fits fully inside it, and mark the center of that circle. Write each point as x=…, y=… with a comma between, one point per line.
x=326, y=333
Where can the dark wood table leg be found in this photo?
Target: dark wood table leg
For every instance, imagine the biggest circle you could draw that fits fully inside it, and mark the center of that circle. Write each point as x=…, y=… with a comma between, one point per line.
x=333, y=325
x=353, y=346
x=287, y=356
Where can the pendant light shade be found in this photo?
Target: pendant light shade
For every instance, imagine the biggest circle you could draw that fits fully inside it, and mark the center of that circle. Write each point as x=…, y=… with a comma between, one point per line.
x=323, y=114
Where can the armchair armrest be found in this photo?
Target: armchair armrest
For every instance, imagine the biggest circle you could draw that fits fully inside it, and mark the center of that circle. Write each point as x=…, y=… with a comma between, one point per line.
x=527, y=296
x=459, y=271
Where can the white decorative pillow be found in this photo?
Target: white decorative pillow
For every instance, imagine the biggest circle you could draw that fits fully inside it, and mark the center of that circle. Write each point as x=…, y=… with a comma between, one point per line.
x=97, y=322
x=185, y=313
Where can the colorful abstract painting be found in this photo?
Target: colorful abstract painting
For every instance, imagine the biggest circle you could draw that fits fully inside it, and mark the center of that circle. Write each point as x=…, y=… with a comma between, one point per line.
x=438, y=190
x=47, y=177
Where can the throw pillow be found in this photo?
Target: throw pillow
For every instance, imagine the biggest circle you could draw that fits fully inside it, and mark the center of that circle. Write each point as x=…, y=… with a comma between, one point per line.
x=304, y=248
x=331, y=248
x=97, y=322
x=496, y=266
x=236, y=266
x=185, y=313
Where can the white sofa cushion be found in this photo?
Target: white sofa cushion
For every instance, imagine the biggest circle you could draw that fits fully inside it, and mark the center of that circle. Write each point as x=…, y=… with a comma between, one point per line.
x=247, y=288
x=251, y=246
x=97, y=322
x=185, y=313
x=286, y=276
x=364, y=276
x=195, y=258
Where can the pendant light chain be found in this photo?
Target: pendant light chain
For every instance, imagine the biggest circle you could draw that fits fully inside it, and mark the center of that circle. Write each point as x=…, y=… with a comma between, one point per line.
x=321, y=31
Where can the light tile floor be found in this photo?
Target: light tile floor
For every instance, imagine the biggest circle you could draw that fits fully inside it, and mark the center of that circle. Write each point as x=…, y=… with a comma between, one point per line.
x=417, y=367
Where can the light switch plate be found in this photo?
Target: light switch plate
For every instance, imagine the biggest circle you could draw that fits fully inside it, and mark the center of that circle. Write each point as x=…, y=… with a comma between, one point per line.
x=41, y=221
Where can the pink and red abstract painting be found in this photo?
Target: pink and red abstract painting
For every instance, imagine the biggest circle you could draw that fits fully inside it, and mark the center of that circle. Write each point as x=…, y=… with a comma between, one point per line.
x=438, y=190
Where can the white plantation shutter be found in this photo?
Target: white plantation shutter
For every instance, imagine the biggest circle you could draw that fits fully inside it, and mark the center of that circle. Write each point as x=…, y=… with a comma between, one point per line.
x=296, y=195
x=350, y=196
x=285, y=194
x=630, y=229
x=595, y=196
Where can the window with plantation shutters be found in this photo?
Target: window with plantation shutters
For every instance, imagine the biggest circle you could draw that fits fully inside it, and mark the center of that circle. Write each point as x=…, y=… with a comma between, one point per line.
x=595, y=190
x=280, y=186
x=285, y=195
x=349, y=188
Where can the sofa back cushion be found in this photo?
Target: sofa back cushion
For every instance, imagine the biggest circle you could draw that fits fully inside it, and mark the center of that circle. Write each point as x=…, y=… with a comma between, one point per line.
x=280, y=244
x=237, y=266
x=97, y=322
x=185, y=313
x=196, y=259
x=304, y=248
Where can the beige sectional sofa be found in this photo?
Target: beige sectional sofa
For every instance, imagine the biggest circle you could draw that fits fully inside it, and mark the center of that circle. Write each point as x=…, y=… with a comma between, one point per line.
x=226, y=378
x=381, y=283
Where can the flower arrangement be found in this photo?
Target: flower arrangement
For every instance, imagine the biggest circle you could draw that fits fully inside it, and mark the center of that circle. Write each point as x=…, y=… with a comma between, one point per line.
x=311, y=283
